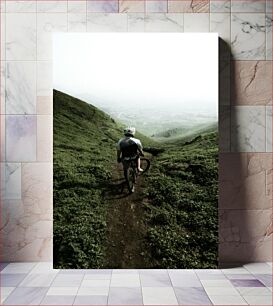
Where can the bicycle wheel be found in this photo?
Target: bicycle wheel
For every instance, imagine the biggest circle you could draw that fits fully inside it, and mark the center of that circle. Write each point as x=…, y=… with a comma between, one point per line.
x=145, y=164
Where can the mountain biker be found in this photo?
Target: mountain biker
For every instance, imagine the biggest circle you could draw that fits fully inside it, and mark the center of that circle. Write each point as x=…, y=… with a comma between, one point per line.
x=129, y=148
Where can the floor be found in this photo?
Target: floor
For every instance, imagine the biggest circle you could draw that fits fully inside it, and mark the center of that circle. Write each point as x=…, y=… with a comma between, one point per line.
x=39, y=284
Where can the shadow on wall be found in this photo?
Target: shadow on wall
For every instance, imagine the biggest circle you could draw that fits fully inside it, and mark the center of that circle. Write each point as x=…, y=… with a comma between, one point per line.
x=237, y=242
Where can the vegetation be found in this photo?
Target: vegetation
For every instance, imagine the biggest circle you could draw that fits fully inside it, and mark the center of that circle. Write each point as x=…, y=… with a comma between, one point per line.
x=179, y=202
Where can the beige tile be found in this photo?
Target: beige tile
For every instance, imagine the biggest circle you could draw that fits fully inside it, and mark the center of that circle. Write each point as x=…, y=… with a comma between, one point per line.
x=131, y=6
x=44, y=138
x=252, y=83
x=188, y=6
x=44, y=105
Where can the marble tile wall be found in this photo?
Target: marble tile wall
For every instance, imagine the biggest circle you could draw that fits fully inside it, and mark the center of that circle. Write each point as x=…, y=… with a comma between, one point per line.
x=245, y=106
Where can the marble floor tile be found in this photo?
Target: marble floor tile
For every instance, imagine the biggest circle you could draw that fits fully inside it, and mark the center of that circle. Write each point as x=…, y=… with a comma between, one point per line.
x=5, y=292
x=246, y=283
x=217, y=283
x=16, y=268
x=77, y=6
x=192, y=296
x=240, y=276
x=258, y=299
x=43, y=267
x=102, y=6
x=220, y=6
x=58, y=300
x=198, y=22
x=254, y=291
x=38, y=280
x=62, y=291
x=91, y=300
x=106, y=22
x=125, y=280
x=157, y=6
x=185, y=281
x=266, y=279
x=51, y=6
x=86, y=291
x=159, y=296
x=67, y=280
x=227, y=300
x=221, y=291
x=236, y=271
x=11, y=280
x=155, y=280
x=96, y=283
x=125, y=296
x=248, y=6
x=258, y=268
x=3, y=265
x=97, y=276
x=160, y=22
x=26, y=296
x=268, y=23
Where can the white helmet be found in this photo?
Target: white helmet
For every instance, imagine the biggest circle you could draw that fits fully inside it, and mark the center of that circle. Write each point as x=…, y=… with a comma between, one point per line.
x=129, y=131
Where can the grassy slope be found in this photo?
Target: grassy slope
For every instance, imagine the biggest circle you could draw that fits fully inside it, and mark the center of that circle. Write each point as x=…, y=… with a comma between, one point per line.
x=181, y=193
x=182, y=204
x=84, y=152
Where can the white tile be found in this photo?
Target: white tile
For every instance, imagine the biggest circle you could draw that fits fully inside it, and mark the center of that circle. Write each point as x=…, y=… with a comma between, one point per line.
x=269, y=6
x=77, y=6
x=20, y=36
x=21, y=6
x=14, y=268
x=44, y=267
x=227, y=300
x=46, y=24
x=196, y=22
x=216, y=283
x=259, y=300
x=125, y=280
x=67, y=280
x=3, y=36
x=221, y=291
x=38, y=280
x=248, y=129
x=248, y=6
x=268, y=128
x=52, y=6
x=156, y=6
x=5, y=292
x=268, y=23
x=62, y=291
x=96, y=283
x=159, y=22
x=220, y=23
x=248, y=36
x=77, y=22
x=240, y=270
x=20, y=88
x=254, y=291
x=258, y=268
x=97, y=276
x=3, y=87
x=159, y=296
x=86, y=291
x=106, y=22
x=270, y=264
x=136, y=22
x=220, y=6
x=12, y=177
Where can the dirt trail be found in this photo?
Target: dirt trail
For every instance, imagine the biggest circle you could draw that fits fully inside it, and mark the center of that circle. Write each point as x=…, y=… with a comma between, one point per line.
x=126, y=229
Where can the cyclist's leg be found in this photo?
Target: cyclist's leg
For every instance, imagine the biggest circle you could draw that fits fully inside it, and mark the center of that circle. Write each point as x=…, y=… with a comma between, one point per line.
x=139, y=164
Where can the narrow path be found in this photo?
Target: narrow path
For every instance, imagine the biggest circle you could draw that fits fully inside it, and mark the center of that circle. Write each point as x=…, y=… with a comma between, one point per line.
x=126, y=229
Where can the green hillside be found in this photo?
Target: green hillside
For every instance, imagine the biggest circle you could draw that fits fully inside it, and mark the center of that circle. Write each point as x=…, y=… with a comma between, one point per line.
x=177, y=203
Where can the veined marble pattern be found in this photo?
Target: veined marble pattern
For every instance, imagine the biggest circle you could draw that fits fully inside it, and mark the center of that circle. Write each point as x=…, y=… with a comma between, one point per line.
x=77, y=6
x=156, y=6
x=21, y=6
x=248, y=129
x=52, y=6
x=248, y=36
x=188, y=6
x=268, y=22
x=170, y=22
x=103, y=6
x=131, y=6
x=20, y=36
x=99, y=22
x=198, y=22
x=136, y=22
x=11, y=177
x=246, y=231
x=268, y=128
x=20, y=87
x=248, y=6
x=20, y=138
x=269, y=6
x=252, y=83
x=220, y=6
x=3, y=138
x=46, y=24
x=2, y=88
x=3, y=36
x=77, y=22
x=243, y=181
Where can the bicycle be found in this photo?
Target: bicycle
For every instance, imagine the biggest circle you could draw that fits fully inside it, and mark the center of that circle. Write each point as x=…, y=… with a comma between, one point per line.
x=131, y=172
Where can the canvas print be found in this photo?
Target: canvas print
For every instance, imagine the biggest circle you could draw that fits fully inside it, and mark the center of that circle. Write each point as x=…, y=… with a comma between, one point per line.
x=135, y=150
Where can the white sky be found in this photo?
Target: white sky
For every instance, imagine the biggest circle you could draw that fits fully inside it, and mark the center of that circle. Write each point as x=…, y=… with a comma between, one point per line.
x=155, y=69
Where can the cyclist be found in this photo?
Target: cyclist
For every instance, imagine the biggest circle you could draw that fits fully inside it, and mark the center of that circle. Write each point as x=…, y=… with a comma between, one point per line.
x=129, y=148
